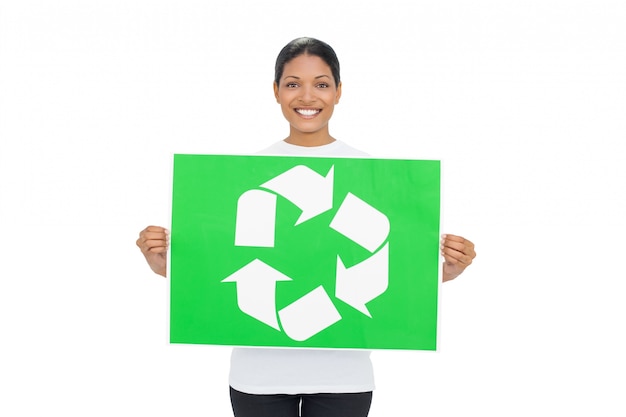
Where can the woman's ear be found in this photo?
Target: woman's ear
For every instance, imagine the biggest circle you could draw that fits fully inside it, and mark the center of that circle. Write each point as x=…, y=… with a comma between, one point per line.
x=276, y=92
x=338, y=93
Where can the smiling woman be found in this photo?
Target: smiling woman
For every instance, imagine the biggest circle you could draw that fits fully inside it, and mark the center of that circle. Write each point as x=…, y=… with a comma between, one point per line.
x=273, y=382
x=307, y=87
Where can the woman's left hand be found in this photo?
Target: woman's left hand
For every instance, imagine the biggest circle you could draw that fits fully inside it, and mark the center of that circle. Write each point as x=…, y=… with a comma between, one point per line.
x=458, y=253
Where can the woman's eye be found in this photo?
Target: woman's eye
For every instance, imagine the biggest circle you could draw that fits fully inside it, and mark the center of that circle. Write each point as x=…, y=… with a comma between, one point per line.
x=323, y=85
x=291, y=85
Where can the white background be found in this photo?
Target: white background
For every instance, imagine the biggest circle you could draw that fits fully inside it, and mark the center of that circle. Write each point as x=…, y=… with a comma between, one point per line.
x=525, y=103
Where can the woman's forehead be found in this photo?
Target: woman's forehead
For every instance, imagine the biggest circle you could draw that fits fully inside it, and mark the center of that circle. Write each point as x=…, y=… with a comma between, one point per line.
x=307, y=64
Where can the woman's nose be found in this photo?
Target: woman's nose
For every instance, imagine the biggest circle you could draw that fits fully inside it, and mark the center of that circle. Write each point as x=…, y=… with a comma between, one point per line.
x=307, y=95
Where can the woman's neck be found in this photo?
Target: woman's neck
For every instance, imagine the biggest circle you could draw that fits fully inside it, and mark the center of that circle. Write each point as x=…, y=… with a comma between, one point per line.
x=299, y=139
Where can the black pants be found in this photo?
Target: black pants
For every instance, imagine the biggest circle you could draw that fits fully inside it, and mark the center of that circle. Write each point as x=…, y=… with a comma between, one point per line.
x=301, y=405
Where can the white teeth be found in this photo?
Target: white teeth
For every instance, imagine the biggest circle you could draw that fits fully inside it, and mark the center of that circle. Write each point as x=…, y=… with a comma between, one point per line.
x=307, y=112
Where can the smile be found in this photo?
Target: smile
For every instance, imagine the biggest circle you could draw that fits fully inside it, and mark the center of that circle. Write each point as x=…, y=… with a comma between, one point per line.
x=308, y=112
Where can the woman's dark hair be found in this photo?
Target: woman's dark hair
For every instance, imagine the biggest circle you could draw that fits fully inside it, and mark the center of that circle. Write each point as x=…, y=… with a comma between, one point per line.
x=307, y=46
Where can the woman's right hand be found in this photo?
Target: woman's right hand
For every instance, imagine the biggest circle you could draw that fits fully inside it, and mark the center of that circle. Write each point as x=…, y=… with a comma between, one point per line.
x=154, y=242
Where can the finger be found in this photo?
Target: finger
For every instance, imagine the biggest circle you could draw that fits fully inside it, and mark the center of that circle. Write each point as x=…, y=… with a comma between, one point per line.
x=157, y=249
x=455, y=239
x=448, y=236
x=153, y=236
x=462, y=248
x=155, y=229
x=154, y=232
x=152, y=245
x=454, y=256
x=458, y=243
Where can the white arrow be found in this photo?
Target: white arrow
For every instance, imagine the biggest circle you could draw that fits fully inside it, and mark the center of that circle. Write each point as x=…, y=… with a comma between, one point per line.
x=361, y=223
x=309, y=191
x=256, y=219
x=309, y=315
x=256, y=291
x=363, y=282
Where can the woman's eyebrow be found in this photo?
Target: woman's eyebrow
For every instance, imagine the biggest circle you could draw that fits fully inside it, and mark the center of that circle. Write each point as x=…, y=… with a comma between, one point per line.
x=297, y=78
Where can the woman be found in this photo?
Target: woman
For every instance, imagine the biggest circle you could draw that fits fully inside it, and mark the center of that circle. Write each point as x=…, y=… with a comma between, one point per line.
x=287, y=382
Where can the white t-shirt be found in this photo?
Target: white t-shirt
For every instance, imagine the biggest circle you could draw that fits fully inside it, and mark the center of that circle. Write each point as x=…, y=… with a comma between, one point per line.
x=302, y=371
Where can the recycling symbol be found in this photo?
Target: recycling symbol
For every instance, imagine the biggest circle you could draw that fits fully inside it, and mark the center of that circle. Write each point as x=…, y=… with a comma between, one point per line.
x=356, y=285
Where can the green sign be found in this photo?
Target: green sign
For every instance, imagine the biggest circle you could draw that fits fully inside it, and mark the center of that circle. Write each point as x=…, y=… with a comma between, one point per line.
x=290, y=251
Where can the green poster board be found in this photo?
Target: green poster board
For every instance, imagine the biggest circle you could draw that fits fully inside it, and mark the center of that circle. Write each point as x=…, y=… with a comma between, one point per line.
x=289, y=251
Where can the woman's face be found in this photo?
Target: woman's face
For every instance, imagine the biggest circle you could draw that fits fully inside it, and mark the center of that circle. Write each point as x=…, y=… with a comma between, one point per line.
x=307, y=95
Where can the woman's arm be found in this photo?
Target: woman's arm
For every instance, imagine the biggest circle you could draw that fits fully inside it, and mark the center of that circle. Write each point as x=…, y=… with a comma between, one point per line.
x=458, y=253
x=153, y=242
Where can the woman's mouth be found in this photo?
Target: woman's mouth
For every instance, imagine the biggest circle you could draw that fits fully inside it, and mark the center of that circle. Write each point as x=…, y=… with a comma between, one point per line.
x=308, y=113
